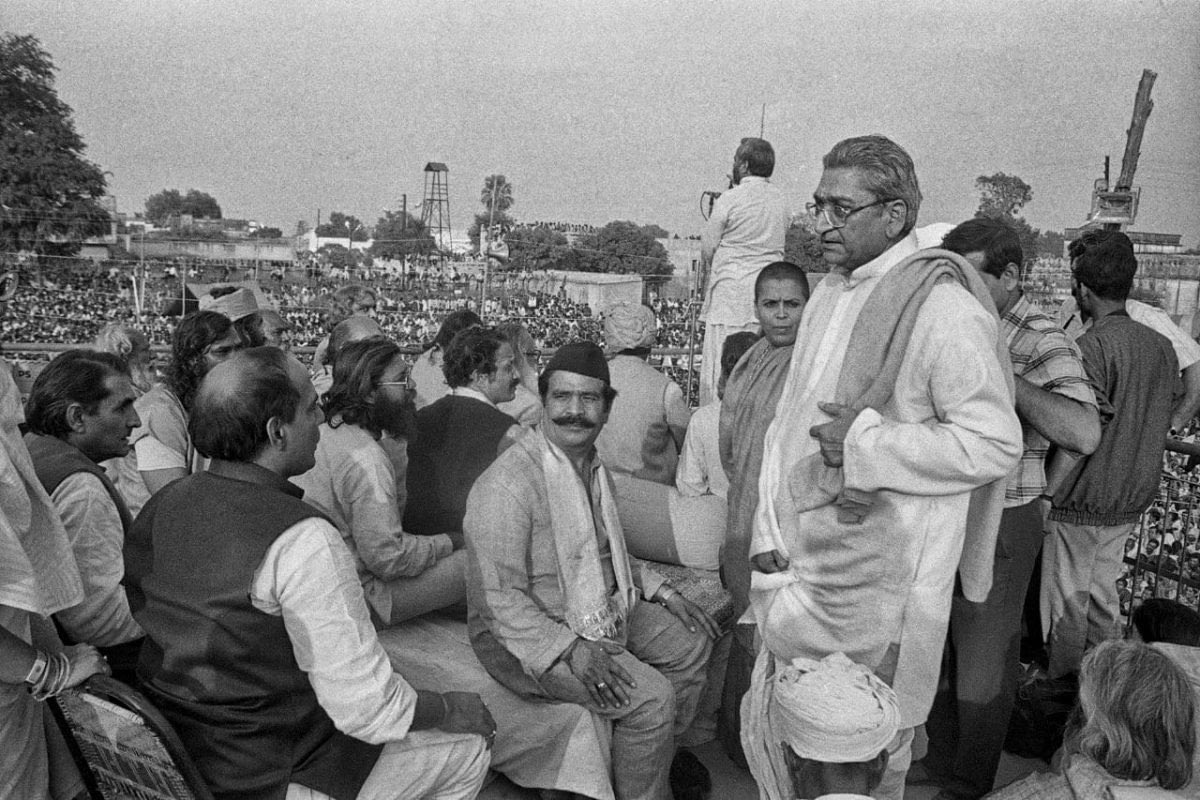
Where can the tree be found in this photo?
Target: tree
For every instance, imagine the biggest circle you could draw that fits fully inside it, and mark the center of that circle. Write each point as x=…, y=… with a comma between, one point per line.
x=496, y=188
x=49, y=192
x=656, y=231
x=170, y=203
x=622, y=247
x=1001, y=195
x=398, y=235
x=267, y=233
x=342, y=225
x=335, y=256
x=802, y=247
x=1050, y=243
x=535, y=248
x=500, y=219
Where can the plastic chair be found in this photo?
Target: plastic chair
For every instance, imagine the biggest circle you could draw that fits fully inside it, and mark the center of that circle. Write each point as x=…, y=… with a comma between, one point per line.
x=123, y=746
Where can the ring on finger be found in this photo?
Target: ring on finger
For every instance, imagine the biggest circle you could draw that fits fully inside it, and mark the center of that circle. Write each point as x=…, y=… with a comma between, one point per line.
x=601, y=685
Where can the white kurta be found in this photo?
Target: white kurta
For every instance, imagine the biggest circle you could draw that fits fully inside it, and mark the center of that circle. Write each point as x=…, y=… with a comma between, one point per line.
x=880, y=590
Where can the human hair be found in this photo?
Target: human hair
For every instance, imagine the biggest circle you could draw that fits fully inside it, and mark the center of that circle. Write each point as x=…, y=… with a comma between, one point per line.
x=782, y=271
x=356, y=375
x=758, y=155
x=1161, y=620
x=229, y=422
x=887, y=168
x=995, y=238
x=1103, y=261
x=353, y=328
x=610, y=394
x=735, y=346
x=249, y=329
x=1135, y=714
x=350, y=300
x=192, y=335
x=74, y=376
x=453, y=324
x=124, y=341
x=470, y=351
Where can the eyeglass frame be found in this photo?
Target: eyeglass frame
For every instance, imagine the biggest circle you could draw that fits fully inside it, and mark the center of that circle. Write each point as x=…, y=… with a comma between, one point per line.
x=815, y=210
x=407, y=383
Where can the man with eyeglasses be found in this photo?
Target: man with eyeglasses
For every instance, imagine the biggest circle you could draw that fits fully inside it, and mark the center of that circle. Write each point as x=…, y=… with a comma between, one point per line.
x=896, y=417
x=745, y=232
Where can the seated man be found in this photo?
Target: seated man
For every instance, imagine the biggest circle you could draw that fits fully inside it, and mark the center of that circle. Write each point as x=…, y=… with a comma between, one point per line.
x=80, y=412
x=459, y=435
x=555, y=612
x=831, y=722
x=355, y=483
x=259, y=647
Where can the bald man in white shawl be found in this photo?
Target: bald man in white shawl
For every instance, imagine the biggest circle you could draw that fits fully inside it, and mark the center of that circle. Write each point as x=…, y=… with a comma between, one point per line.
x=897, y=409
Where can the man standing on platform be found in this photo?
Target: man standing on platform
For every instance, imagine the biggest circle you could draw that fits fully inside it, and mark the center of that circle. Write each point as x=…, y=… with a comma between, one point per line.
x=897, y=408
x=1134, y=373
x=745, y=233
x=970, y=714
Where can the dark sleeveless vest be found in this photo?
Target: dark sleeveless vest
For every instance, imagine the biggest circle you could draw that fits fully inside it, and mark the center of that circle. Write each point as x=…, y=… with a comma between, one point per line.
x=223, y=672
x=454, y=442
x=55, y=460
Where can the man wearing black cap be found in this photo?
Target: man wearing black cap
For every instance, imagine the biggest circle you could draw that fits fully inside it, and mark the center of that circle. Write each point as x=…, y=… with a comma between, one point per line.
x=557, y=612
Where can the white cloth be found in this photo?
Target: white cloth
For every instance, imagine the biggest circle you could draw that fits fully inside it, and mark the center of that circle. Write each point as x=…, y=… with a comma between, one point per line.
x=880, y=590
x=354, y=483
x=307, y=577
x=428, y=379
x=745, y=232
x=94, y=527
x=700, y=471
x=1187, y=351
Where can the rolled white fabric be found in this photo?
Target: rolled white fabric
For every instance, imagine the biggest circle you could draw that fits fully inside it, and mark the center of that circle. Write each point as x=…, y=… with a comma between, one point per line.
x=833, y=710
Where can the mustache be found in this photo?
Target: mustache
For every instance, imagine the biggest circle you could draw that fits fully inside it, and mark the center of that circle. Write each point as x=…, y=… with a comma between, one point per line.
x=574, y=419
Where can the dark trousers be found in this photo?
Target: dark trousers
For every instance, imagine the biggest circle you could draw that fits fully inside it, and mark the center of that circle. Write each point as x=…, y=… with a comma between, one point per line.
x=970, y=713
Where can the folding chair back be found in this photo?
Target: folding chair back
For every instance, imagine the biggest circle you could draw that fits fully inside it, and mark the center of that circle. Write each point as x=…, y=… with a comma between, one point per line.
x=123, y=746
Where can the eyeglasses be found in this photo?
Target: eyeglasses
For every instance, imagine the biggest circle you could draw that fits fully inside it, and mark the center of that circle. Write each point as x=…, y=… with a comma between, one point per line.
x=836, y=216
x=407, y=382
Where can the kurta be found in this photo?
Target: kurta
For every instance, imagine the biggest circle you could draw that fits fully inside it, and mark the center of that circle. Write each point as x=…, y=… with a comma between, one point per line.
x=880, y=590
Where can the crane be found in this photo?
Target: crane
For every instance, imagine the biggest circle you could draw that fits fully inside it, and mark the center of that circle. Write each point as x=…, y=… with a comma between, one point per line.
x=1116, y=207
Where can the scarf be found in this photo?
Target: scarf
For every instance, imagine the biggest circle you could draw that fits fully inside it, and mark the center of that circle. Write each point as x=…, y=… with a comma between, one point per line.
x=878, y=344
x=591, y=612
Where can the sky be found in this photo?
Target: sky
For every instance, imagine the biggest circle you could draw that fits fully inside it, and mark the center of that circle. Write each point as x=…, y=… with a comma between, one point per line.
x=609, y=110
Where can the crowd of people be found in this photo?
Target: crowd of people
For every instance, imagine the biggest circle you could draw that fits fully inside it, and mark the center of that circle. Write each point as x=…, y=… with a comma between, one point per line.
x=496, y=536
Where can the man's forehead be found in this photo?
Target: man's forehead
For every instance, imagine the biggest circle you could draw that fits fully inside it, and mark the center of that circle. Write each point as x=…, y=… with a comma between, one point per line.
x=561, y=380
x=841, y=184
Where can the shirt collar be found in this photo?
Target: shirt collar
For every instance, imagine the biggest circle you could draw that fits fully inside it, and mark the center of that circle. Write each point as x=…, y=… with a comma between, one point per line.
x=882, y=263
x=752, y=179
x=248, y=472
x=467, y=391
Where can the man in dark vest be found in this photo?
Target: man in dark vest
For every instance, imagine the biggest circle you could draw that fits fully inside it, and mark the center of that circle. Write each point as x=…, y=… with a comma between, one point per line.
x=80, y=412
x=259, y=647
x=460, y=435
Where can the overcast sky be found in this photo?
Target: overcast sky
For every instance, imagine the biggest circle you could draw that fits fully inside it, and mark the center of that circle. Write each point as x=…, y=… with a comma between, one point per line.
x=619, y=110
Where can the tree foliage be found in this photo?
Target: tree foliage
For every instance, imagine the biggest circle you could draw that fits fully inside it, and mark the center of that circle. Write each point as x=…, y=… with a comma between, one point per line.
x=48, y=190
x=398, y=235
x=173, y=203
x=497, y=194
x=536, y=248
x=1001, y=195
x=267, y=233
x=340, y=225
x=802, y=247
x=657, y=231
x=500, y=219
x=620, y=247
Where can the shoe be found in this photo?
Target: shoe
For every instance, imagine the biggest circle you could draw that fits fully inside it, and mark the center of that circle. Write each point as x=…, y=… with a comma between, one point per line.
x=689, y=778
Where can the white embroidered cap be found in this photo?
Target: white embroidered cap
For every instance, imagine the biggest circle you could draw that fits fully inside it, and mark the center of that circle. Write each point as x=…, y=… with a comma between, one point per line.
x=833, y=710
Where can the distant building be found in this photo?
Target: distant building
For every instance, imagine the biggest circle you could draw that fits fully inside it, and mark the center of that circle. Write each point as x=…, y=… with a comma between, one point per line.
x=1143, y=241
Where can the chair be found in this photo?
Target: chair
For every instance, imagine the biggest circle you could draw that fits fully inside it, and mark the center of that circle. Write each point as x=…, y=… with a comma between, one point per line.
x=123, y=746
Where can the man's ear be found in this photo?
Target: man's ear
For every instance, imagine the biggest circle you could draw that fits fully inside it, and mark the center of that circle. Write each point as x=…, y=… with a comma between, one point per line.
x=276, y=433
x=1011, y=276
x=897, y=211
x=74, y=417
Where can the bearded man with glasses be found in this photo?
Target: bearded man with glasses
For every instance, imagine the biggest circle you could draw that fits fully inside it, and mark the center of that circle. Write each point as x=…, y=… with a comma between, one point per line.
x=896, y=418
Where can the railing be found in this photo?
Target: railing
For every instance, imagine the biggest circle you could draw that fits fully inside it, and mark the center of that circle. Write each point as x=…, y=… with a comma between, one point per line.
x=1162, y=555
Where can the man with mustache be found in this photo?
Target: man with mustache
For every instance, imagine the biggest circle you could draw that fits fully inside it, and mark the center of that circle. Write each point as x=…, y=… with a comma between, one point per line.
x=459, y=435
x=557, y=611
x=368, y=415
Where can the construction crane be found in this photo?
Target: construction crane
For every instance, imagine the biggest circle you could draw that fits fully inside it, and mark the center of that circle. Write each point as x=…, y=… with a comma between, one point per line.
x=1116, y=207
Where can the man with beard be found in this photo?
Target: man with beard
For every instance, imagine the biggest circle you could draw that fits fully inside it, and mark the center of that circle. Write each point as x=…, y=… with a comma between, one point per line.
x=355, y=483
x=459, y=435
x=557, y=611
